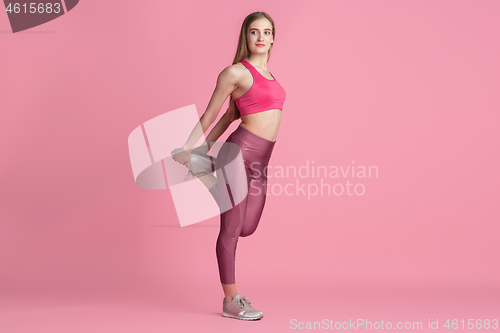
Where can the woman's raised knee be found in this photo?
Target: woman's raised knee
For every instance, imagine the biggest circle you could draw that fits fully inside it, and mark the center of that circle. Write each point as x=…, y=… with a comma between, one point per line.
x=246, y=233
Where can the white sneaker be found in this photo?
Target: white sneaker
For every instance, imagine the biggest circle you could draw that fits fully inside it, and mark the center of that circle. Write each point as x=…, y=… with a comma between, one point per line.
x=200, y=163
x=239, y=308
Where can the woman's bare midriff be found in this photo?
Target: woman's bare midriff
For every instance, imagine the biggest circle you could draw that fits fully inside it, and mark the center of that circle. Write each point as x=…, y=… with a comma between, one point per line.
x=264, y=124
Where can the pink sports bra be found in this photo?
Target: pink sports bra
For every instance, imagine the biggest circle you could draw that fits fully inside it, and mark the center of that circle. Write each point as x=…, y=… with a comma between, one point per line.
x=263, y=95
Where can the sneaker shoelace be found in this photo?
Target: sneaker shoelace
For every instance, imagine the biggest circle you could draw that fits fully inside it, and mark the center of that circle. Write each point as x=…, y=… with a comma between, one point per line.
x=244, y=302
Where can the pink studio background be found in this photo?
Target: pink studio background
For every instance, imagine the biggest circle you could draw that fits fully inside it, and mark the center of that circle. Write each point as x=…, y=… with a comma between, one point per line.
x=409, y=87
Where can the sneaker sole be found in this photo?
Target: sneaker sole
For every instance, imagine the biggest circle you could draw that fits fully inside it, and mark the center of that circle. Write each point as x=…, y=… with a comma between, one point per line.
x=227, y=315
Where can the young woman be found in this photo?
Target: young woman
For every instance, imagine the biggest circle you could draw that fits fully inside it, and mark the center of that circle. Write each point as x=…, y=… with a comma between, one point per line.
x=257, y=98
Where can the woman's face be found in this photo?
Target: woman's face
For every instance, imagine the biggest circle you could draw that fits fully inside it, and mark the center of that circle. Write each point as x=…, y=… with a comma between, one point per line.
x=260, y=36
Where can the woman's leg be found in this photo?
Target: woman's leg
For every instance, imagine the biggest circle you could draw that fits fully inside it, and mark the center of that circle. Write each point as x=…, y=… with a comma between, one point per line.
x=254, y=206
x=232, y=217
x=231, y=222
x=241, y=219
x=229, y=291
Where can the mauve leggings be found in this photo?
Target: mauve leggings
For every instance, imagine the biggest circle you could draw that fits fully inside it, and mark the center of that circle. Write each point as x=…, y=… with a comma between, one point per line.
x=243, y=218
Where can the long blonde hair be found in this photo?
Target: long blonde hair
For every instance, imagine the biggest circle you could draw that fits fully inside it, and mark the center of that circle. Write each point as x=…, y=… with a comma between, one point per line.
x=242, y=51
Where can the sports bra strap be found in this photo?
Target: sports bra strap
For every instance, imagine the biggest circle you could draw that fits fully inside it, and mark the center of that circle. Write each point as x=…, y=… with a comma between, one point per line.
x=252, y=69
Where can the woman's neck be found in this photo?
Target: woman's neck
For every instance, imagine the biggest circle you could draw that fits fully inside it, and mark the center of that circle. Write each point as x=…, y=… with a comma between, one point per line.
x=258, y=61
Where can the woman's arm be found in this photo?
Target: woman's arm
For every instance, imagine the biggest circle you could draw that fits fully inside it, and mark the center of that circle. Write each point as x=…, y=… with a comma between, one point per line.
x=226, y=84
x=217, y=131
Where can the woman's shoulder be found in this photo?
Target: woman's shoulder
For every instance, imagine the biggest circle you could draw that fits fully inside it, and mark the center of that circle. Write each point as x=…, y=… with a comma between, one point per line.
x=233, y=72
x=237, y=67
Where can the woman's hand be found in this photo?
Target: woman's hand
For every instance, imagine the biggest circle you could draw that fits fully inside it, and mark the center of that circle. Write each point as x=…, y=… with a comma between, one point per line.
x=181, y=155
